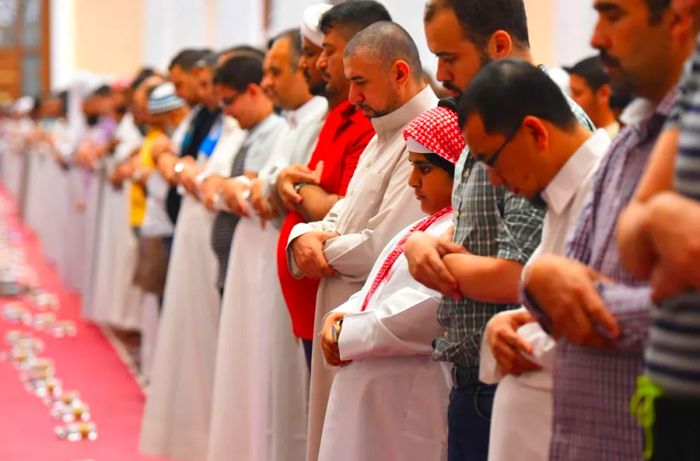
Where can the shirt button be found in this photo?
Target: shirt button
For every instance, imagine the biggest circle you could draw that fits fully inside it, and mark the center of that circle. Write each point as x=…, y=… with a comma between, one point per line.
x=457, y=214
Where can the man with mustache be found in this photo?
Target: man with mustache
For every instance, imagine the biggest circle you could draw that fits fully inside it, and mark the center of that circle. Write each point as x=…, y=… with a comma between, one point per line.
x=308, y=191
x=384, y=71
x=658, y=240
x=598, y=311
x=495, y=230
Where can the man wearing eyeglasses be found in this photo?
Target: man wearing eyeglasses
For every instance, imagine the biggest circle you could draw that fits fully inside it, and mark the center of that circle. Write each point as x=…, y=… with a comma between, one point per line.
x=498, y=229
x=536, y=149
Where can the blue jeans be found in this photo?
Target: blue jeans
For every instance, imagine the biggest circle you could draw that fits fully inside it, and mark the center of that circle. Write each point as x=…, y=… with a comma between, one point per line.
x=469, y=421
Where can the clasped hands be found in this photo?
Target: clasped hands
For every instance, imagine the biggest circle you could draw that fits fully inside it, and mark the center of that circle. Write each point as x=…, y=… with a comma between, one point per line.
x=307, y=251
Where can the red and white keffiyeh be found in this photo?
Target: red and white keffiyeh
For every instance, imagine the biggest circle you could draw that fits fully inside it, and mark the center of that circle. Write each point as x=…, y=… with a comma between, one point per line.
x=438, y=131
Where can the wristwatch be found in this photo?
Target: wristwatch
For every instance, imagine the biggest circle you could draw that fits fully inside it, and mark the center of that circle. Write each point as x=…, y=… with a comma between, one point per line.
x=178, y=169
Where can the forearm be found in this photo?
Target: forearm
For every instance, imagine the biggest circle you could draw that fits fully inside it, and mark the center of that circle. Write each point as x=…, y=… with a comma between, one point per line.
x=316, y=202
x=402, y=325
x=485, y=279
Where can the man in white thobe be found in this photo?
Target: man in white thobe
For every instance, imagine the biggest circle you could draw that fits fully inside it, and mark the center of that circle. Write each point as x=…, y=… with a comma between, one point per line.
x=343, y=246
x=259, y=403
x=177, y=412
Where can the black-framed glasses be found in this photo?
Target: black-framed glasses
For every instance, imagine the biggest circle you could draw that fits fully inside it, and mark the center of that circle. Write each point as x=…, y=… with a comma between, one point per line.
x=228, y=101
x=493, y=158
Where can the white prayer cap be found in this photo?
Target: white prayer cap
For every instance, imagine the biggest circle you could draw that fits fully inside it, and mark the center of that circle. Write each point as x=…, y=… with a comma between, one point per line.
x=163, y=99
x=309, y=25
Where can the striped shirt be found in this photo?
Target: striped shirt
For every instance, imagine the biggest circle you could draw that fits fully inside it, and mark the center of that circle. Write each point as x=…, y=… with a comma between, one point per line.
x=593, y=387
x=489, y=221
x=671, y=359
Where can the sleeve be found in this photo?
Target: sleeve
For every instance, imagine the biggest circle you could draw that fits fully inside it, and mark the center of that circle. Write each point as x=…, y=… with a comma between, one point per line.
x=631, y=306
x=328, y=224
x=352, y=255
x=520, y=230
x=405, y=323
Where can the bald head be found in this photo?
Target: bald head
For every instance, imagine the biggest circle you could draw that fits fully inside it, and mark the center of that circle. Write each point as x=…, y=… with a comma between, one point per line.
x=387, y=42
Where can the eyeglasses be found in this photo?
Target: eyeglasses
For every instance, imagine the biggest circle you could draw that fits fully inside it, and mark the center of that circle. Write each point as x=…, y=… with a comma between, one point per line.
x=493, y=158
x=229, y=101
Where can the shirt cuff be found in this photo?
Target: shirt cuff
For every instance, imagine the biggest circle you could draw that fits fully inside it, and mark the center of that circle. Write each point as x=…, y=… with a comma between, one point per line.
x=297, y=231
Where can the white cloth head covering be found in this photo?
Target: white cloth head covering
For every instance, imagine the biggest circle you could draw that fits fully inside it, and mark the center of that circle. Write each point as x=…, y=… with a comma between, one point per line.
x=309, y=24
x=163, y=99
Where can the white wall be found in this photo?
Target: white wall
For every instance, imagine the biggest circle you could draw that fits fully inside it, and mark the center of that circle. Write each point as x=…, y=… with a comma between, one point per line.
x=574, y=23
x=63, y=47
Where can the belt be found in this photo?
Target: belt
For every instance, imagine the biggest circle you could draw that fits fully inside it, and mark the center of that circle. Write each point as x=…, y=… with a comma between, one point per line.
x=464, y=377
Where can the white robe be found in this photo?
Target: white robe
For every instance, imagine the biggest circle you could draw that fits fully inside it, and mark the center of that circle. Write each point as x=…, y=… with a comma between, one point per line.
x=377, y=205
x=116, y=298
x=521, y=420
x=178, y=407
x=391, y=402
x=260, y=389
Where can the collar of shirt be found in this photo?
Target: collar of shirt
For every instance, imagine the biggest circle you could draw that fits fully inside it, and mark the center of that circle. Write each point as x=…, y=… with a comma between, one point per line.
x=262, y=128
x=563, y=187
x=389, y=123
x=640, y=109
x=312, y=109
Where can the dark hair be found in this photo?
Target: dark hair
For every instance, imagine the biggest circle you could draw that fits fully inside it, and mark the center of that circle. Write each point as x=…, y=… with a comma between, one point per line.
x=187, y=59
x=294, y=37
x=389, y=42
x=440, y=162
x=207, y=60
x=353, y=16
x=479, y=19
x=239, y=71
x=142, y=75
x=506, y=91
x=103, y=91
x=244, y=49
x=656, y=9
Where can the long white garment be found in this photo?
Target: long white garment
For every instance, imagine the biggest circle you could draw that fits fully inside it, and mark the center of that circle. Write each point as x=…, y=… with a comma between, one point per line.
x=116, y=298
x=176, y=416
x=522, y=410
x=178, y=408
x=93, y=208
x=390, y=403
x=377, y=205
x=260, y=389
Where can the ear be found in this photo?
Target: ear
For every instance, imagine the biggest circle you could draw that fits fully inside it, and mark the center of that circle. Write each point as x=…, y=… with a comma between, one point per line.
x=401, y=72
x=500, y=45
x=537, y=131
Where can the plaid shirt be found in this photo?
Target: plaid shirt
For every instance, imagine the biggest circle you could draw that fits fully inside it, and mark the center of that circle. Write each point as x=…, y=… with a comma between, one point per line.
x=489, y=221
x=592, y=387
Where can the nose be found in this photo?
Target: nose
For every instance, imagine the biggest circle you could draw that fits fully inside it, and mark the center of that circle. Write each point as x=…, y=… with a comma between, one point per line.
x=322, y=62
x=266, y=82
x=414, y=178
x=354, y=94
x=598, y=39
x=444, y=71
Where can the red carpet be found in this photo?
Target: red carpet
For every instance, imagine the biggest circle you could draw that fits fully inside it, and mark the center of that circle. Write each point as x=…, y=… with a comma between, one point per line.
x=86, y=363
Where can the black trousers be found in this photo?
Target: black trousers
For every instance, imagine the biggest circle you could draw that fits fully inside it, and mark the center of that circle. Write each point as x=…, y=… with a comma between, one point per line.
x=676, y=429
